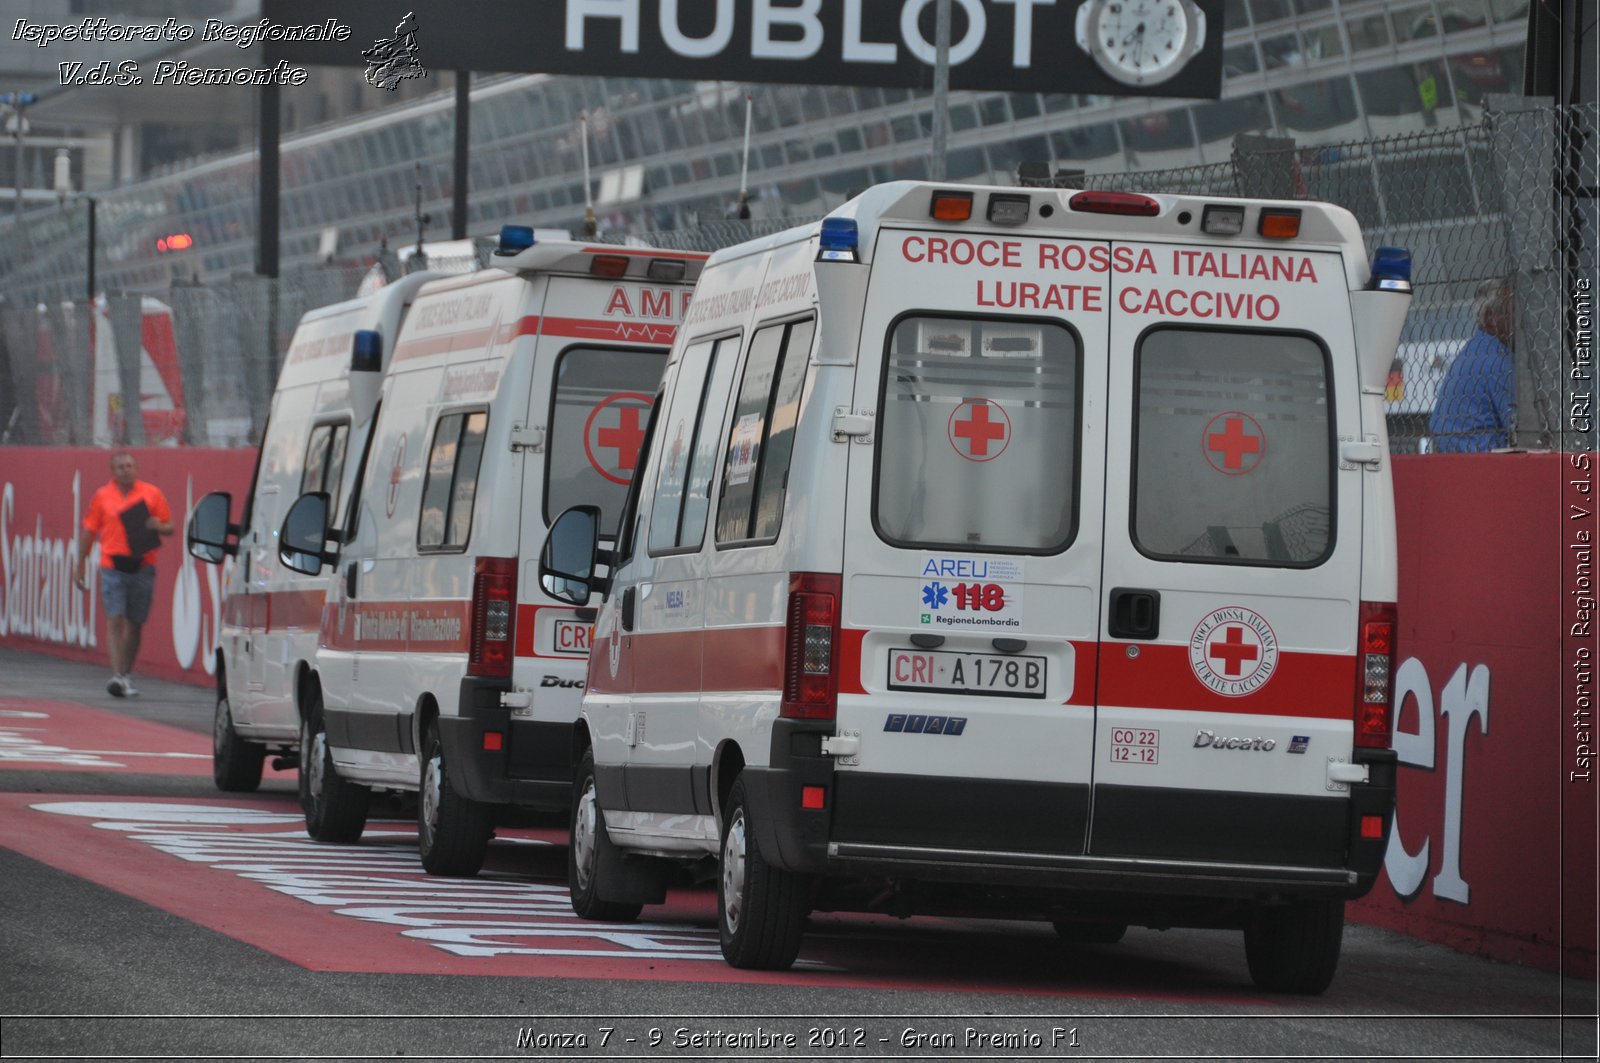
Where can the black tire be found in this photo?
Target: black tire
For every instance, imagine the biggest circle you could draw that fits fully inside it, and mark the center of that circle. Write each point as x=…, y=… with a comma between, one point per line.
x=336, y=810
x=761, y=909
x=1294, y=948
x=588, y=850
x=1089, y=933
x=452, y=831
x=235, y=762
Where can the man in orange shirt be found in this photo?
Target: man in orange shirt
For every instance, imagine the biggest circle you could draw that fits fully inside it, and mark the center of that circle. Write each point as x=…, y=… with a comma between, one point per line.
x=128, y=517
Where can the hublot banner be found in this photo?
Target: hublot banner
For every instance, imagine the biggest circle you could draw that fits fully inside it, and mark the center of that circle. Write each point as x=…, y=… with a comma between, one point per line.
x=1107, y=47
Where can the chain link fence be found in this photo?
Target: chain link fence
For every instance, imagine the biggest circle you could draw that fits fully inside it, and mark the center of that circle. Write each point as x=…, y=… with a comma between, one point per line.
x=1506, y=205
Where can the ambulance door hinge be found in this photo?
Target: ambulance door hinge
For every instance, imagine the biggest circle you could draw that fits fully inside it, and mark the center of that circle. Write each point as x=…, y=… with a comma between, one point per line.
x=527, y=437
x=845, y=747
x=1361, y=454
x=847, y=425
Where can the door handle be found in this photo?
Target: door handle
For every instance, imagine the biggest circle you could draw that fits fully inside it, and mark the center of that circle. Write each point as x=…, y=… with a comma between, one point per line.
x=350, y=580
x=1135, y=613
x=627, y=608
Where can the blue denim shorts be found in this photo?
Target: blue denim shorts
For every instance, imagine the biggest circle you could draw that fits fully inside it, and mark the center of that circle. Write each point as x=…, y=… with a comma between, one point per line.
x=128, y=593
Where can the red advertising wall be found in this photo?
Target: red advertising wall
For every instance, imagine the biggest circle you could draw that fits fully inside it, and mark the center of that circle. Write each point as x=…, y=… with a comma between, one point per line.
x=44, y=493
x=1494, y=847
x=1493, y=850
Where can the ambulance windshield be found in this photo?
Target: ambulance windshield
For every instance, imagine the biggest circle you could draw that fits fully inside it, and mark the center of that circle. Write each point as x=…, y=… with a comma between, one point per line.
x=1233, y=459
x=602, y=402
x=979, y=435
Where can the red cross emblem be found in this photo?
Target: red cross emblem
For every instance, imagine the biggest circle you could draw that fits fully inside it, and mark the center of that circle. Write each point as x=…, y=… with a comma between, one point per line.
x=1233, y=650
x=980, y=430
x=1234, y=443
x=614, y=433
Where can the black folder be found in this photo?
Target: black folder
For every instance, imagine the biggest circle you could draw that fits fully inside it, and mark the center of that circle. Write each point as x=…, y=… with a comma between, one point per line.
x=141, y=538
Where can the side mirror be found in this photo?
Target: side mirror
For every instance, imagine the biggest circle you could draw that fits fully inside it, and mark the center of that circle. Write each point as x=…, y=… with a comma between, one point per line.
x=566, y=564
x=304, y=535
x=207, y=534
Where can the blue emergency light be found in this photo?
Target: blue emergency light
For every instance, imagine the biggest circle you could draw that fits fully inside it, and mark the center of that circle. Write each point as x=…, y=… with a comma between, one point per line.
x=366, y=351
x=1391, y=270
x=839, y=240
x=514, y=238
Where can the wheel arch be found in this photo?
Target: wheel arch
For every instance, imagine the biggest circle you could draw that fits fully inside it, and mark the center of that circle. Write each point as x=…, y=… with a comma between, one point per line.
x=726, y=765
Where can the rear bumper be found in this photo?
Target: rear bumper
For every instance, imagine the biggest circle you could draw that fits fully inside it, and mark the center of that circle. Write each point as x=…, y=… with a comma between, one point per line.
x=1038, y=836
x=533, y=766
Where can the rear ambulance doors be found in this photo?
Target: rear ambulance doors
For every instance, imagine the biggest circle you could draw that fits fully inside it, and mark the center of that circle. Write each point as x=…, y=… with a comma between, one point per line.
x=1100, y=561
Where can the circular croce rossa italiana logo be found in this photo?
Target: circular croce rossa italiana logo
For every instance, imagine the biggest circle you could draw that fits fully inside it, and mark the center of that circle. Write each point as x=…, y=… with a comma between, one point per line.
x=1233, y=651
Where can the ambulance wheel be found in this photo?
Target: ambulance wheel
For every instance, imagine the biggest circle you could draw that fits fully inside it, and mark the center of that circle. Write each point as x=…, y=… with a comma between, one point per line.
x=1089, y=933
x=336, y=810
x=1294, y=948
x=235, y=762
x=589, y=849
x=452, y=831
x=761, y=909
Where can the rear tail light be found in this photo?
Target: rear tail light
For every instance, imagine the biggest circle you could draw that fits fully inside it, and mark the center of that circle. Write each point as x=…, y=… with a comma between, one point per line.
x=1115, y=203
x=811, y=647
x=492, y=640
x=1374, y=718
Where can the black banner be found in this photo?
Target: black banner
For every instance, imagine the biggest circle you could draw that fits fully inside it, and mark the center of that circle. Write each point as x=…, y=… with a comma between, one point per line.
x=1103, y=47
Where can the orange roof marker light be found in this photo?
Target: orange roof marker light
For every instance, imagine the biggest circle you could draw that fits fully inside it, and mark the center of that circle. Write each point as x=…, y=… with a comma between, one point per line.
x=608, y=265
x=1279, y=223
x=951, y=206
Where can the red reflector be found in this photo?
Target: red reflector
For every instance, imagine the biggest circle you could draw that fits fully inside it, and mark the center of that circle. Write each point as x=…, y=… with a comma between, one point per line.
x=493, y=740
x=1115, y=203
x=608, y=265
x=1372, y=826
x=813, y=797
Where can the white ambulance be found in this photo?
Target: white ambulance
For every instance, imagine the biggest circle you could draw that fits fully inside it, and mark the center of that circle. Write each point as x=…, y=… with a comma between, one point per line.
x=1007, y=550
x=321, y=413
x=513, y=393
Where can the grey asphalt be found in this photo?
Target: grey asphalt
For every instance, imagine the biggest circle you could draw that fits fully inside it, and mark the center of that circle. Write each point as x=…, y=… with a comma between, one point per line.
x=86, y=972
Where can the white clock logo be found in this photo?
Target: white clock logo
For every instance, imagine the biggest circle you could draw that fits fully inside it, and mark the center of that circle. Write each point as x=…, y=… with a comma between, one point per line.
x=1141, y=42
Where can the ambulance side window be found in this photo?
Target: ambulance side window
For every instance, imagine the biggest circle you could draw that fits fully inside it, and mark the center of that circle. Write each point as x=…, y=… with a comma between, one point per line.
x=1233, y=458
x=689, y=445
x=451, y=486
x=324, y=465
x=761, y=442
x=979, y=435
x=599, y=406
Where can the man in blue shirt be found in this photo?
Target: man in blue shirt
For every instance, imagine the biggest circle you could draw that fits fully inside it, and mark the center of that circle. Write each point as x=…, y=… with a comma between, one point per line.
x=1475, y=410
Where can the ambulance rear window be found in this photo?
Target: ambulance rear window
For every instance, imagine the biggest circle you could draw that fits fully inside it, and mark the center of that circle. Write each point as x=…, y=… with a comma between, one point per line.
x=601, y=403
x=1233, y=452
x=979, y=435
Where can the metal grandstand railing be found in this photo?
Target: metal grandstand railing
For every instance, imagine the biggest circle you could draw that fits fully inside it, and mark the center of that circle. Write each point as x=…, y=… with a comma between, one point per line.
x=1503, y=200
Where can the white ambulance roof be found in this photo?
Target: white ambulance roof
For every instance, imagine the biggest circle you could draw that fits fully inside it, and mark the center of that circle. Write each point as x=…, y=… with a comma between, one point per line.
x=906, y=203
x=577, y=256
x=321, y=346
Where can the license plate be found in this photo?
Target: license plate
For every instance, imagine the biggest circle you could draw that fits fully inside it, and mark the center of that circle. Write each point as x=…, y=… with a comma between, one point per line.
x=944, y=671
x=572, y=636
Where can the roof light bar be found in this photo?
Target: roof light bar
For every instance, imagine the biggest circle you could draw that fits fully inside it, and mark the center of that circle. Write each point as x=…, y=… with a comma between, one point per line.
x=1126, y=203
x=1222, y=220
x=839, y=240
x=514, y=238
x=951, y=206
x=1391, y=270
x=1279, y=223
